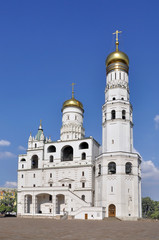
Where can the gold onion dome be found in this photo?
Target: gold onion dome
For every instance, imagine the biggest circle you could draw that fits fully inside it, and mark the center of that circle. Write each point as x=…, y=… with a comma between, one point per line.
x=117, y=59
x=72, y=102
x=117, y=56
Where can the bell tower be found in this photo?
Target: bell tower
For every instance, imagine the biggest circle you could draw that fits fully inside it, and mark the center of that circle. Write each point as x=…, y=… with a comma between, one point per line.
x=118, y=172
x=117, y=110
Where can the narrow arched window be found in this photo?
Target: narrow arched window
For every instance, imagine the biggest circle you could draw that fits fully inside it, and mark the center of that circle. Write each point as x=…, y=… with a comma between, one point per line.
x=83, y=156
x=83, y=197
x=128, y=168
x=35, y=145
x=51, y=158
x=112, y=168
x=113, y=114
x=99, y=169
x=123, y=114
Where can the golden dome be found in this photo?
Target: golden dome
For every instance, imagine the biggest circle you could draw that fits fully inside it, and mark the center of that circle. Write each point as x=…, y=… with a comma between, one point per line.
x=117, y=56
x=72, y=103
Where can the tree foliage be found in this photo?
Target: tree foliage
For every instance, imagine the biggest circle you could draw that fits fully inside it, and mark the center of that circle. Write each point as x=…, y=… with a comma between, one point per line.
x=8, y=203
x=150, y=208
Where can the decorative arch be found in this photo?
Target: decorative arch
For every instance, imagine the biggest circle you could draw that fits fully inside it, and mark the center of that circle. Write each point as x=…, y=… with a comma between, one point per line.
x=128, y=168
x=84, y=145
x=112, y=210
x=60, y=204
x=34, y=161
x=67, y=153
x=112, y=168
x=51, y=148
x=44, y=203
x=28, y=203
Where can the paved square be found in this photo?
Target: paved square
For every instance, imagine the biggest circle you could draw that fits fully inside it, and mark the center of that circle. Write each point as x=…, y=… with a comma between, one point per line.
x=50, y=229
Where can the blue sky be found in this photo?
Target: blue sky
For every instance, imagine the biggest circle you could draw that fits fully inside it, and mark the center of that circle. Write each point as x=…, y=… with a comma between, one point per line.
x=47, y=45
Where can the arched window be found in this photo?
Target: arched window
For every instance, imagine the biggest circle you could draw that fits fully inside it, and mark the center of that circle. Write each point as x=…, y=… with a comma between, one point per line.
x=67, y=154
x=114, y=98
x=113, y=114
x=84, y=145
x=128, y=168
x=83, y=156
x=35, y=145
x=83, y=197
x=112, y=168
x=34, y=161
x=99, y=169
x=23, y=160
x=51, y=149
x=123, y=114
x=51, y=158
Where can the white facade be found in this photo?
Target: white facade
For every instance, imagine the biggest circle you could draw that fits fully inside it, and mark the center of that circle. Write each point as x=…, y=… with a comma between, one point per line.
x=71, y=177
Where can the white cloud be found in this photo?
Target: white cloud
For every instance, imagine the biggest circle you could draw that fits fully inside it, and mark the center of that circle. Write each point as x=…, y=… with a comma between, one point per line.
x=4, y=143
x=10, y=184
x=22, y=148
x=149, y=171
x=150, y=180
x=7, y=155
x=156, y=119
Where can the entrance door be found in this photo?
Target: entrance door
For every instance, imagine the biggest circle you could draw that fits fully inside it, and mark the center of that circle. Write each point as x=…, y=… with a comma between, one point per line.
x=86, y=216
x=112, y=210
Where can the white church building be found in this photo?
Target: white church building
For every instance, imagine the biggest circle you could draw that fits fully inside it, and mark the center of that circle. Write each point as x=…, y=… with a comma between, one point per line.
x=75, y=177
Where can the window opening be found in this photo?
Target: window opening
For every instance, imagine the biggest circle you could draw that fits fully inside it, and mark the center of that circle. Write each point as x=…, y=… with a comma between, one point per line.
x=51, y=158
x=34, y=161
x=112, y=168
x=113, y=114
x=51, y=148
x=84, y=145
x=83, y=156
x=83, y=197
x=99, y=169
x=123, y=114
x=67, y=154
x=128, y=168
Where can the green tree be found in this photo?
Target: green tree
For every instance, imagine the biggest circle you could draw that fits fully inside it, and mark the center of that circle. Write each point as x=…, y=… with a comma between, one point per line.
x=150, y=208
x=8, y=203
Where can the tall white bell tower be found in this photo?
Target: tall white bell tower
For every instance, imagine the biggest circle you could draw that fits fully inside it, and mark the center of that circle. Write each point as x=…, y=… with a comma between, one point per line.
x=118, y=175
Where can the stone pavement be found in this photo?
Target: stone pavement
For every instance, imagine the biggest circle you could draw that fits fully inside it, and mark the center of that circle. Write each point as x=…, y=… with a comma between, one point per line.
x=50, y=229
